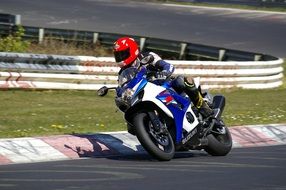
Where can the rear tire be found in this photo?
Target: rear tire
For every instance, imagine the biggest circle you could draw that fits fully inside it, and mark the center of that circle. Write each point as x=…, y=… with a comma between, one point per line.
x=219, y=144
x=143, y=128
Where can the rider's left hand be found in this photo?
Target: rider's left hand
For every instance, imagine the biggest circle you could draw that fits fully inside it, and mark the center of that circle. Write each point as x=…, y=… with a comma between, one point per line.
x=161, y=75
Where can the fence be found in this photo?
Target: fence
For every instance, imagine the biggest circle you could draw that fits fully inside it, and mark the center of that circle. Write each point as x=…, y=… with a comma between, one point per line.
x=218, y=67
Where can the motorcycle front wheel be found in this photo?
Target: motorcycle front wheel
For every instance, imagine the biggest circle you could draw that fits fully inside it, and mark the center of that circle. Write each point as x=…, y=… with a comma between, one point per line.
x=158, y=144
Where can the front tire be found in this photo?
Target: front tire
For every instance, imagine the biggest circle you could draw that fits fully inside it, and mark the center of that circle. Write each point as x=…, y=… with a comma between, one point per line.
x=160, y=146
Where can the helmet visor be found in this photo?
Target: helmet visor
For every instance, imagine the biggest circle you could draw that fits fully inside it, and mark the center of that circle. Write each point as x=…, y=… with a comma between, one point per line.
x=121, y=55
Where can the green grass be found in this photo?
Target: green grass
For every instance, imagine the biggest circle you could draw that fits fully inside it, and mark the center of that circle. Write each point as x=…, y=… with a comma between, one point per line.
x=255, y=107
x=38, y=113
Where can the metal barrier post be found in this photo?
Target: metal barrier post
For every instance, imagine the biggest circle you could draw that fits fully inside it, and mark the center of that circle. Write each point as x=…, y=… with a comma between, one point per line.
x=257, y=57
x=183, y=50
x=41, y=35
x=142, y=43
x=95, y=38
x=17, y=20
x=221, y=54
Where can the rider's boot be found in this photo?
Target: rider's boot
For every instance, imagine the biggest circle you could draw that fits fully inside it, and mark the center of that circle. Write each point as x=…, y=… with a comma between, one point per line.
x=203, y=107
x=194, y=94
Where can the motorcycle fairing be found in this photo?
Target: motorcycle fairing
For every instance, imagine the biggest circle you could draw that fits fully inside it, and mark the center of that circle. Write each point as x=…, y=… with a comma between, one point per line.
x=174, y=105
x=179, y=107
x=152, y=91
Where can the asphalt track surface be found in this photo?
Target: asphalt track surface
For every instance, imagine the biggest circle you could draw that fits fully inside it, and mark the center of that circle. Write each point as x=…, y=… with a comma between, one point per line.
x=234, y=29
x=253, y=168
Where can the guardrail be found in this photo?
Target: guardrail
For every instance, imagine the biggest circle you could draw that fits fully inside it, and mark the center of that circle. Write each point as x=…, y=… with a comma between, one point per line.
x=217, y=67
x=38, y=71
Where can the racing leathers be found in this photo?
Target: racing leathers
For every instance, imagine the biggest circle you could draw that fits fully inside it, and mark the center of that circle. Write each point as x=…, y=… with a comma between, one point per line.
x=155, y=64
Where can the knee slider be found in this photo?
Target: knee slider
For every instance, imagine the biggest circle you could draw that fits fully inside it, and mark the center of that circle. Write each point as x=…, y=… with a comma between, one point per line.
x=189, y=82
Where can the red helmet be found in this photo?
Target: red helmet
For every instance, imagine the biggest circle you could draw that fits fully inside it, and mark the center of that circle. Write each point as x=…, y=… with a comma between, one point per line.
x=125, y=51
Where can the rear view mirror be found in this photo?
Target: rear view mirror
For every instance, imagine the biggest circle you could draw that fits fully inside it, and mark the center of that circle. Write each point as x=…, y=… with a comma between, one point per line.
x=102, y=91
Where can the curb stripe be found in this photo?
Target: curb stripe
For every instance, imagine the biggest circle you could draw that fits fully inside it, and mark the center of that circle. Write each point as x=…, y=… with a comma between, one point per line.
x=24, y=150
x=4, y=160
x=64, y=147
x=247, y=137
x=79, y=146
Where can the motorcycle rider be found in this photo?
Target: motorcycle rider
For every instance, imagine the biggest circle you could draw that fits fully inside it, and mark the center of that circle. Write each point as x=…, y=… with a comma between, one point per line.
x=126, y=54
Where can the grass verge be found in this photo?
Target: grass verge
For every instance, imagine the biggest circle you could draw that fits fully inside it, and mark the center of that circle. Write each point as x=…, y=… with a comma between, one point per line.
x=59, y=47
x=38, y=113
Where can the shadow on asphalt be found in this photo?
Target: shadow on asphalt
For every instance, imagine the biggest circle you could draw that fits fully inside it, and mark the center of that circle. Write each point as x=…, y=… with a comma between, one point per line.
x=117, y=150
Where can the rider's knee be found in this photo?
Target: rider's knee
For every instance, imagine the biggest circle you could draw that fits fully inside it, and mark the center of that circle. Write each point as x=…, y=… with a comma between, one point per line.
x=191, y=89
x=189, y=82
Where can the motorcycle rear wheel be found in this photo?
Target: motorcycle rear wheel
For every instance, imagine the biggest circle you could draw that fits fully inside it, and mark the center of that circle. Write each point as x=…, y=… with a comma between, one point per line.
x=219, y=144
x=161, y=147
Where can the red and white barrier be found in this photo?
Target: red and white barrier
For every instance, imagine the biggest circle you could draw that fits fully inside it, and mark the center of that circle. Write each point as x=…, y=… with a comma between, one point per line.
x=90, y=73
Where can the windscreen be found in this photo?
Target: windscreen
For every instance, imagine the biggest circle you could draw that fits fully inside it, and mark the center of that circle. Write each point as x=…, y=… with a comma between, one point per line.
x=127, y=75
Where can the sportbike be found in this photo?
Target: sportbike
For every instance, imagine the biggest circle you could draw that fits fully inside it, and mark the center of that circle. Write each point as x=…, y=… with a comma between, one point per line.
x=164, y=121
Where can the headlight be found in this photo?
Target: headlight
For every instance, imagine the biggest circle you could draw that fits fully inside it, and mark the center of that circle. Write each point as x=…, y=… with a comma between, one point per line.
x=122, y=105
x=127, y=95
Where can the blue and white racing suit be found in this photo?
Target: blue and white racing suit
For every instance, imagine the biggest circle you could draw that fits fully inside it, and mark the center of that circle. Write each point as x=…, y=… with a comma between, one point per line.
x=155, y=63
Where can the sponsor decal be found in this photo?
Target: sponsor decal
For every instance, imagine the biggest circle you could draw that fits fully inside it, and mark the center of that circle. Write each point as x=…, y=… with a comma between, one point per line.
x=190, y=135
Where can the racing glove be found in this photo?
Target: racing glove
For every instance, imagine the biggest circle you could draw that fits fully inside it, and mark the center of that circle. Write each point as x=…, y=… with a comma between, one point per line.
x=162, y=75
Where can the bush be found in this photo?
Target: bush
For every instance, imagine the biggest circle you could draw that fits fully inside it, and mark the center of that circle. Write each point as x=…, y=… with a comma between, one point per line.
x=14, y=42
x=61, y=47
